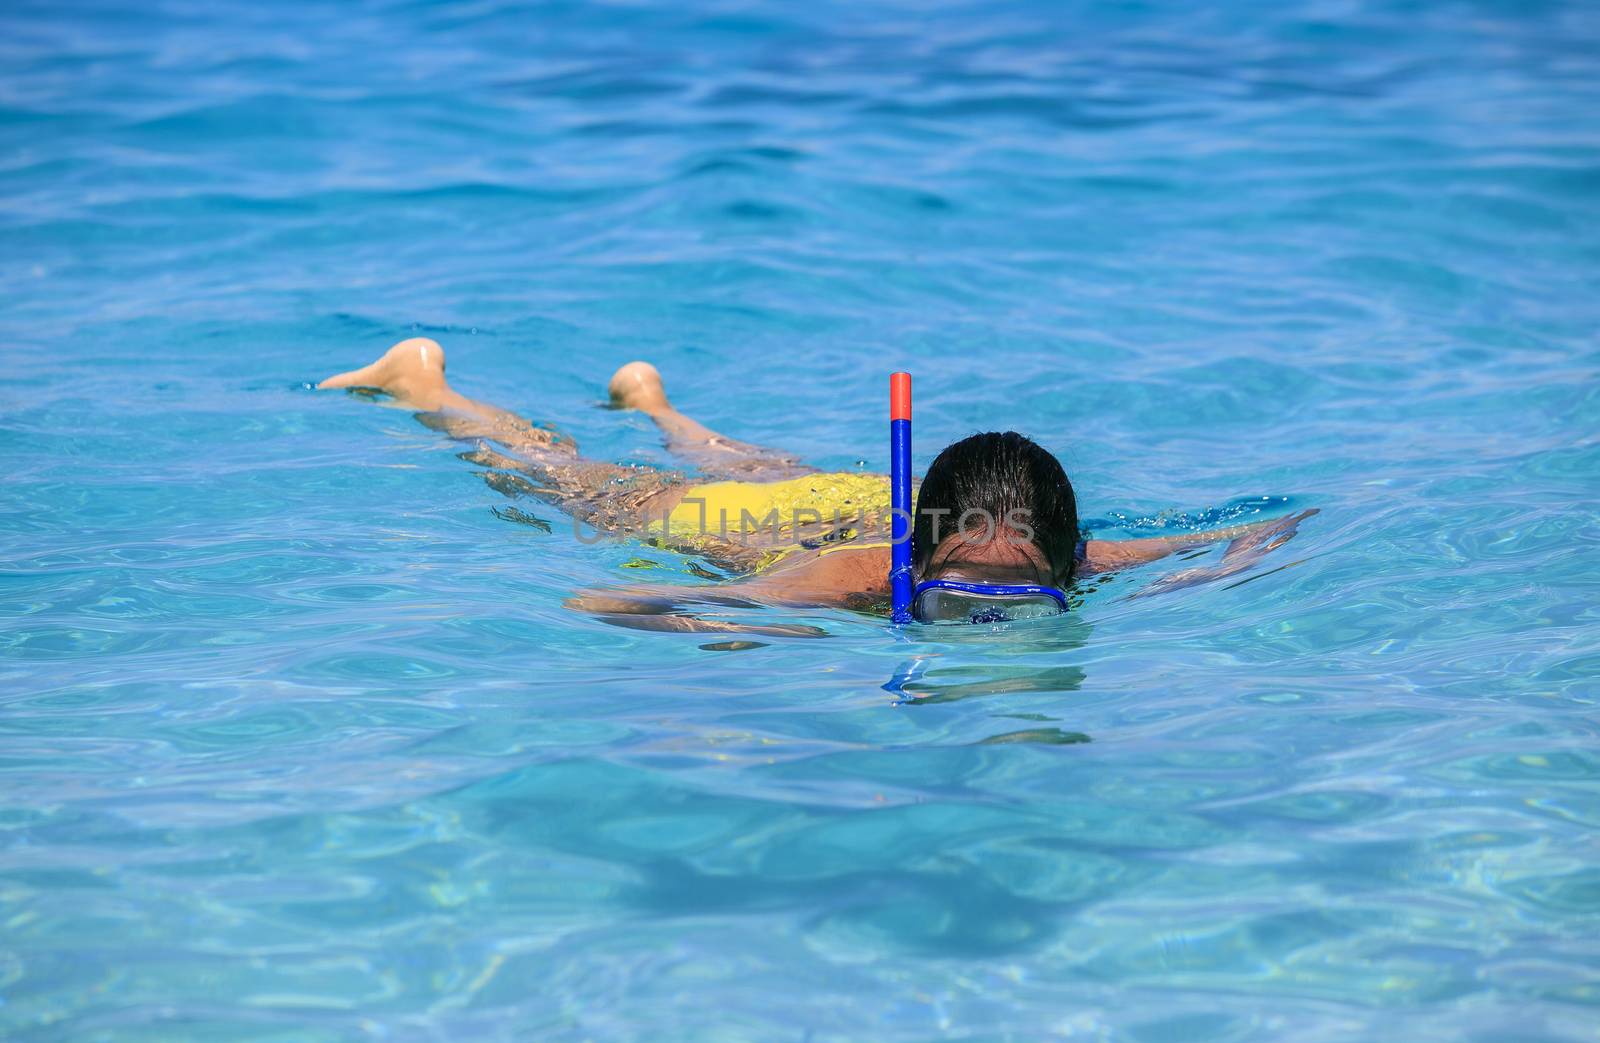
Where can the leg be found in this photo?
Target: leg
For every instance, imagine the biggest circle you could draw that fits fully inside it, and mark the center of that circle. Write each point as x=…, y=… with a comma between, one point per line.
x=638, y=386
x=412, y=372
x=610, y=497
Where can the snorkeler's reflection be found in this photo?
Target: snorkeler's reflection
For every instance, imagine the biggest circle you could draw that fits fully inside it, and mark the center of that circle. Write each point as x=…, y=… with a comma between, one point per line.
x=923, y=680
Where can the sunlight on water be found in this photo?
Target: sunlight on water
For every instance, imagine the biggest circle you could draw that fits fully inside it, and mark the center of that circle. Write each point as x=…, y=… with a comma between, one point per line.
x=300, y=742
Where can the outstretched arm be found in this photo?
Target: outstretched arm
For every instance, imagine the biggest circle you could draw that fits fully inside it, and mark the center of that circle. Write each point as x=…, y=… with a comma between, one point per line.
x=853, y=578
x=857, y=578
x=1109, y=555
x=672, y=610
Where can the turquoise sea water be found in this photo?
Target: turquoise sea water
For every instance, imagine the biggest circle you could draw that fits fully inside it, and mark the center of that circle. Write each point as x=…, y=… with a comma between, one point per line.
x=297, y=741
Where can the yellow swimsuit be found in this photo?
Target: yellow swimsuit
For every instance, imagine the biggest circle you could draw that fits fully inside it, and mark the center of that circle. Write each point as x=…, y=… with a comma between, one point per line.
x=778, y=518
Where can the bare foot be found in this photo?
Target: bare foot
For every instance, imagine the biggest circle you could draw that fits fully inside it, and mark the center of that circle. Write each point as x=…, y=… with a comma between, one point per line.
x=412, y=371
x=638, y=386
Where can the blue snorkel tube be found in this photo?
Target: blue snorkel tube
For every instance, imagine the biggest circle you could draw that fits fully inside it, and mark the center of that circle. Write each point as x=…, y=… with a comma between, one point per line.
x=900, y=497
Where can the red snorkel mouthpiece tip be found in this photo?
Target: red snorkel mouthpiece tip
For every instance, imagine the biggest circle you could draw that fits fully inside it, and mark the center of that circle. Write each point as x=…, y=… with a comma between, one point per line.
x=900, y=396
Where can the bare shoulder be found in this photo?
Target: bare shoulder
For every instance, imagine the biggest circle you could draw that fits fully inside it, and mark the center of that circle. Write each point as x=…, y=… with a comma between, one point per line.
x=1109, y=555
x=839, y=577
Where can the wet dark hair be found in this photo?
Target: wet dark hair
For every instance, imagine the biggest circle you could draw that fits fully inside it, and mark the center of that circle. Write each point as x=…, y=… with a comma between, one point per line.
x=998, y=474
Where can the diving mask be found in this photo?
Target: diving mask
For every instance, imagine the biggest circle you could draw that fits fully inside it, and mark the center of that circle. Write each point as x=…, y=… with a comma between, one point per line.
x=958, y=601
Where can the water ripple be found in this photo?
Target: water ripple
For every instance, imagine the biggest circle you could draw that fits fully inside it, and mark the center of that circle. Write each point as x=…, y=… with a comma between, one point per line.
x=296, y=733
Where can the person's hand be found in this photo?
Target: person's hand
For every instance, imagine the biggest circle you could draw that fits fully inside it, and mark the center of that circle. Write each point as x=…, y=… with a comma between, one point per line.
x=1242, y=553
x=1268, y=536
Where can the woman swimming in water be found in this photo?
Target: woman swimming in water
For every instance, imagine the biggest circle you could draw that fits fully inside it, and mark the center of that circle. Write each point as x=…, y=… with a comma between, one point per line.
x=993, y=508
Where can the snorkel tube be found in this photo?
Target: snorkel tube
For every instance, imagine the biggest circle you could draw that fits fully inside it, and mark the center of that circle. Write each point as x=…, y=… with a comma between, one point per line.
x=900, y=497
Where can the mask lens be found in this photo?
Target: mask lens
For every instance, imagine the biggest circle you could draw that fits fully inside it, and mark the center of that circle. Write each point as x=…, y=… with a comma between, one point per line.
x=958, y=606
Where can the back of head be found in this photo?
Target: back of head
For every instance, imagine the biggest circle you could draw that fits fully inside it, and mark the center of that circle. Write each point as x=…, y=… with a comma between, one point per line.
x=1004, y=481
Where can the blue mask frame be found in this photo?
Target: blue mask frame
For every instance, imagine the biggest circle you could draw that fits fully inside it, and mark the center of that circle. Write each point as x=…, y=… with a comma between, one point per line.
x=991, y=590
